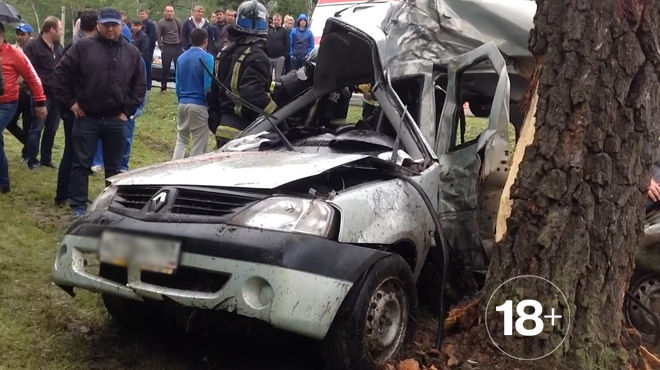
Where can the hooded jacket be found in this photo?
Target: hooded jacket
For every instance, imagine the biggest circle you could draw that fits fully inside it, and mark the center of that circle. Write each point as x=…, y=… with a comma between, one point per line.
x=302, y=40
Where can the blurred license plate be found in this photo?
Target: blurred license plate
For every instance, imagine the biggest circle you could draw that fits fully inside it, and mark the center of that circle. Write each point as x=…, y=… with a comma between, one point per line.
x=152, y=254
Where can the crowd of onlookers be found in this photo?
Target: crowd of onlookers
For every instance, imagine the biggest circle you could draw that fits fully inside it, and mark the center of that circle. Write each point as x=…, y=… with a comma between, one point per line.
x=96, y=85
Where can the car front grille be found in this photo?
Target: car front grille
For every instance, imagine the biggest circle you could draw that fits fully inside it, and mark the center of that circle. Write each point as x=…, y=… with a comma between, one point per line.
x=134, y=197
x=206, y=203
x=185, y=203
x=184, y=278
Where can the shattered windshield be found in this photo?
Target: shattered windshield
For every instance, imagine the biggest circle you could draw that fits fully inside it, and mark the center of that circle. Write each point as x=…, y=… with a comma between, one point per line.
x=341, y=101
x=347, y=120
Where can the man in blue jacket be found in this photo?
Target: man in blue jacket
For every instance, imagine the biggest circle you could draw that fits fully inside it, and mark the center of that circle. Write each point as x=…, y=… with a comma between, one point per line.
x=302, y=42
x=192, y=83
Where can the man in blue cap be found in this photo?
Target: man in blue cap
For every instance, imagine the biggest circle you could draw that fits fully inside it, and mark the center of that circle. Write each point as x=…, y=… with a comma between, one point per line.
x=102, y=80
x=24, y=33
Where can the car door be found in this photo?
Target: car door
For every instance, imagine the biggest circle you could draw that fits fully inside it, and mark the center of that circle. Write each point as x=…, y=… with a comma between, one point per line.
x=473, y=171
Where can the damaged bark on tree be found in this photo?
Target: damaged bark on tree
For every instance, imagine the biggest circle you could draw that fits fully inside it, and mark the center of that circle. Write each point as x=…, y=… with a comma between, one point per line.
x=578, y=201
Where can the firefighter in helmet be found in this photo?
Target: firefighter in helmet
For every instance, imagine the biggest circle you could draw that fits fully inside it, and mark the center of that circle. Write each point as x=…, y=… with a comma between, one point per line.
x=245, y=69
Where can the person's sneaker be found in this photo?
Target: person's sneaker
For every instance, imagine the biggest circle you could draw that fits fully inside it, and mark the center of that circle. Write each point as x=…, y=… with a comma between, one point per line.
x=33, y=166
x=97, y=169
x=50, y=165
x=5, y=189
x=78, y=211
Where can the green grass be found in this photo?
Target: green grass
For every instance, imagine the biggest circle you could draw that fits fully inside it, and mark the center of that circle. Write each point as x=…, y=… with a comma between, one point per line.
x=41, y=326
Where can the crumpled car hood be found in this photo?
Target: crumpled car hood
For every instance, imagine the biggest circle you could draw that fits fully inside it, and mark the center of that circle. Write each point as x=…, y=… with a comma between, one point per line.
x=258, y=170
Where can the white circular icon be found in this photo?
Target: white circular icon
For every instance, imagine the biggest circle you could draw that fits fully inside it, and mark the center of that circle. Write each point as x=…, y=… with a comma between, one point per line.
x=541, y=312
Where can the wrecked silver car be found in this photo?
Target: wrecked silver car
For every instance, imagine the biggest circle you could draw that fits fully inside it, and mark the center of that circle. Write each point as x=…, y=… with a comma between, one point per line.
x=317, y=230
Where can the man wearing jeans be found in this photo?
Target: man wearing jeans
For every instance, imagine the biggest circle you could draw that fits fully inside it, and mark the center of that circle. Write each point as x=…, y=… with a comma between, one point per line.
x=192, y=83
x=109, y=61
x=44, y=52
x=15, y=64
x=88, y=20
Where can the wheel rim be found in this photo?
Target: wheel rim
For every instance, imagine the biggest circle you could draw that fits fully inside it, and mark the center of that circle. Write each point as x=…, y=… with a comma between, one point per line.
x=647, y=291
x=386, y=320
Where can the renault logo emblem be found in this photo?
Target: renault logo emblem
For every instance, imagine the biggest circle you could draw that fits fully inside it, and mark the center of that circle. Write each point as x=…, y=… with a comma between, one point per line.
x=158, y=201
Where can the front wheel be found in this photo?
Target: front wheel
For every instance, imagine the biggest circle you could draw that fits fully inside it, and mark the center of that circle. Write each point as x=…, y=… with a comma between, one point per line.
x=376, y=320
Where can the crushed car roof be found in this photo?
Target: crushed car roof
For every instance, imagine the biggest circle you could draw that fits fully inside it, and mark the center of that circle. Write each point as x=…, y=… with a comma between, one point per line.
x=440, y=30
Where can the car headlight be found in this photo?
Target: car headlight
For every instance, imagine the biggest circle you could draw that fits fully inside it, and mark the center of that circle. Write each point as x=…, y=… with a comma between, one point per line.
x=309, y=216
x=103, y=201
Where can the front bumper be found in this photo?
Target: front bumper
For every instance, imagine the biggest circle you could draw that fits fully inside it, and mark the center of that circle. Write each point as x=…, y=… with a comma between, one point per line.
x=295, y=282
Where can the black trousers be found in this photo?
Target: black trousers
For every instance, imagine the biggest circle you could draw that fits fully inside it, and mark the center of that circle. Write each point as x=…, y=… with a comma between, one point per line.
x=168, y=54
x=86, y=133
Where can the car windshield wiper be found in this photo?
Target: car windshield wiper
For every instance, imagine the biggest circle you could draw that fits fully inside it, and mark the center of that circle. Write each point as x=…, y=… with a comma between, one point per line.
x=267, y=116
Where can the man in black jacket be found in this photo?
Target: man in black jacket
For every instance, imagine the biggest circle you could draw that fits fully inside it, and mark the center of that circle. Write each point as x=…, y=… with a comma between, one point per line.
x=140, y=40
x=197, y=20
x=88, y=21
x=278, y=45
x=103, y=82
x=245, y=68
x=44, y=52
x=149, y=28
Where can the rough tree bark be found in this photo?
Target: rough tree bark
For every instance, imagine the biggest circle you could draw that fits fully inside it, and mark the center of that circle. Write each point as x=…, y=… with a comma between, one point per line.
x=578, y=200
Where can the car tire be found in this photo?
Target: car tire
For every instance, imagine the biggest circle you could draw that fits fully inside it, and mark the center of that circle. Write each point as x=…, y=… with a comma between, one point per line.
x=376, y=319
x=646, y=288
x=124, y=311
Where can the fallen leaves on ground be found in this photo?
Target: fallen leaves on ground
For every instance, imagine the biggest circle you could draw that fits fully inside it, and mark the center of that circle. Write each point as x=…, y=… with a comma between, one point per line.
x=408, y=364
x=450, y=350
x=463, y=316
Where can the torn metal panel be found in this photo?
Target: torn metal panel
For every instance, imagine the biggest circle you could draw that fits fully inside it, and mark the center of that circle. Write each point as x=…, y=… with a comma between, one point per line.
x=498, y=120
x=462, y=167
x=427, y=111
x=440, y=30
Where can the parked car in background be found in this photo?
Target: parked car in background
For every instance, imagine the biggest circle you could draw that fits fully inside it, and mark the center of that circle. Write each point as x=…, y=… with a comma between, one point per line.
x=157, y=67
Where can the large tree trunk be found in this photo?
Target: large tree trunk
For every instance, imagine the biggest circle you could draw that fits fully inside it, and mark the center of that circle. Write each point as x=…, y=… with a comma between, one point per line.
x=578, y=200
